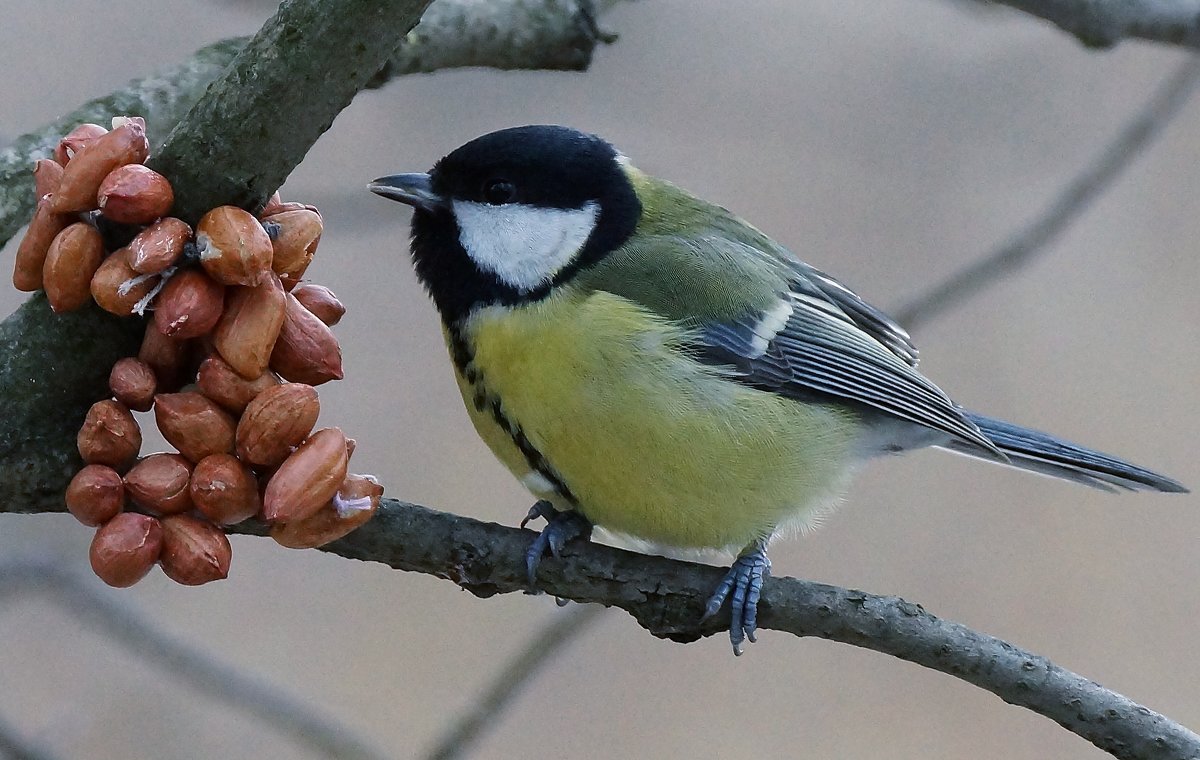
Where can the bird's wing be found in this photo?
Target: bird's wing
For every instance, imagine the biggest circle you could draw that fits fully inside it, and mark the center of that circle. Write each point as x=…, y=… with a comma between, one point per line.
x=777, y=324
x=806, y=347
x=869, y=319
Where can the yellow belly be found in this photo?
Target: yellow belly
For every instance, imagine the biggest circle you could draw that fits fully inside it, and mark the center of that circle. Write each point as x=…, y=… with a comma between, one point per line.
x=649, y=443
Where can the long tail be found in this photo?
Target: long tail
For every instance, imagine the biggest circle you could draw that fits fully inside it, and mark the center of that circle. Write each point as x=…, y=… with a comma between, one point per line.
x=1045, y=454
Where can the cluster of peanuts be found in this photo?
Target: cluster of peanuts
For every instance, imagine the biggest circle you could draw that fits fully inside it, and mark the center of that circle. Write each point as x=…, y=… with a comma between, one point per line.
x=228, y=364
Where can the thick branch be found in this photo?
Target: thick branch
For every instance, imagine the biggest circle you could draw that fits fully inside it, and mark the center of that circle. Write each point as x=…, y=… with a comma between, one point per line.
x=53, y=368
x=1104, y=23
x=504, y=34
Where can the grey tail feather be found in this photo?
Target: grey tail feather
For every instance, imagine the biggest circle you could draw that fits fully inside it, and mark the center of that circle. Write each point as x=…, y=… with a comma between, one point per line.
x=1045, y=454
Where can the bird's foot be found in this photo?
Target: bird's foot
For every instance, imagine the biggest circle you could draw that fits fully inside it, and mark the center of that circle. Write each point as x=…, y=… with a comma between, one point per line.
x=745, y=579
x=561, y=527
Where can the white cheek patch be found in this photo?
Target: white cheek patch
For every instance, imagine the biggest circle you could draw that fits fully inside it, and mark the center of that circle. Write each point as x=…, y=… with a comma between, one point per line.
x=524, y=246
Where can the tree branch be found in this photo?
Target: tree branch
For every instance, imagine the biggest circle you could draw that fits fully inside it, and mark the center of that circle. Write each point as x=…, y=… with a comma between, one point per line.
x=52, y=367
x=1022, y=247
x=230, y=685
x=665, y=596
x=1104, y=23
x=559, y=35
x=13, y=747
x=465, y=731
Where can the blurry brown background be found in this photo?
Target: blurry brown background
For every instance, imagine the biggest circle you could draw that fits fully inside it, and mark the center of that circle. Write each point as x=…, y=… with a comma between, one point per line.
x=886, y=142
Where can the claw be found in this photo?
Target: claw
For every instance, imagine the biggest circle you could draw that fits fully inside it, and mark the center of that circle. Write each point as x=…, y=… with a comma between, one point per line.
x=561, y=527
x=541, y=508
x=745, y=580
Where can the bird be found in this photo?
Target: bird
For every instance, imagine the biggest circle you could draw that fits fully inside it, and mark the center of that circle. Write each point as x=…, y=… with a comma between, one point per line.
x=649, y=363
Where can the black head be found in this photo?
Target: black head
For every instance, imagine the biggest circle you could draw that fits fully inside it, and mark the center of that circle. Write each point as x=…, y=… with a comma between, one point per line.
x=510, y=215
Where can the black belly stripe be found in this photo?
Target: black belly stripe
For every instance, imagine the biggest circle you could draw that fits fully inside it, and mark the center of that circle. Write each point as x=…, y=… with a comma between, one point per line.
x=464, y=357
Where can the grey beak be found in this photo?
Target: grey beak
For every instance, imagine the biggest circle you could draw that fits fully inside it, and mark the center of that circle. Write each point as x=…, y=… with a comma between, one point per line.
x=413, y=189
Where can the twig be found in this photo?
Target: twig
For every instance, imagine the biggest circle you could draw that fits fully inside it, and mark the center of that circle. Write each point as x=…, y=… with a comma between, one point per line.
x=13, y=747
x=537, y=653
x=1104, y=23
x=667, y=598
x=222, y=682
x=1022, y=247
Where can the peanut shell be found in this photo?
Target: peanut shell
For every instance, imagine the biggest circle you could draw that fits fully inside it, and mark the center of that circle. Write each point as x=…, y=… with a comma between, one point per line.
x=219, y=382
x=295, y=244
x=134, y=194
x=159, y=246
x=159, y=483
x=31, y=253
x=74, y=256
x=76, y=140
x=117, y=288
x=234, y=248
x=321, y=301
x=250, y=325
x=189, y=305
x=224, y=489
x=133, y=383
x=46, y=177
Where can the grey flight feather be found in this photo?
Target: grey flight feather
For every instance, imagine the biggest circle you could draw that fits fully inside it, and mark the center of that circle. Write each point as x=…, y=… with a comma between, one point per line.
x=1042, y=452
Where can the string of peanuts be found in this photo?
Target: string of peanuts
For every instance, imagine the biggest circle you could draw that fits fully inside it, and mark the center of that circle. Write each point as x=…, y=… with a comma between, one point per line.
x=228, y=364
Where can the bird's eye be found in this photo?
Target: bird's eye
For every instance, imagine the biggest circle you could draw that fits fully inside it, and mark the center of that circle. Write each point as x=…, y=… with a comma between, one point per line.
x=499, y=191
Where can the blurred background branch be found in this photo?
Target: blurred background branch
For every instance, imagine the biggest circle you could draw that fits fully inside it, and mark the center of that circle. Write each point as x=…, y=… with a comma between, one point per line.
x=1026, y=243
x=465, y=730
x=1104, y=23
x=229, y=685
x=15, y=747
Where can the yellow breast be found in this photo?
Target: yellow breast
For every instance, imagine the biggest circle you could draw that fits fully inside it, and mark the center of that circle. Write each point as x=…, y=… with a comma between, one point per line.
x=591, y=393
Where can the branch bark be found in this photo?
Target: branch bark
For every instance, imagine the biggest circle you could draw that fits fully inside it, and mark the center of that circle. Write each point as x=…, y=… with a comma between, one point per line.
x=548, y=35
x=665, y=596
x=53, y=368
x=1104, y=23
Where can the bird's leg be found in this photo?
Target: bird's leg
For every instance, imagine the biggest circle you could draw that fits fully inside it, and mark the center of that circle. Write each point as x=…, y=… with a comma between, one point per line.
x=745, y=579
x=561, y=527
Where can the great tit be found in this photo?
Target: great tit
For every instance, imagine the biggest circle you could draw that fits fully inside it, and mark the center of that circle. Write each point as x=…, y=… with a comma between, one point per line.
x=649, y=363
